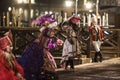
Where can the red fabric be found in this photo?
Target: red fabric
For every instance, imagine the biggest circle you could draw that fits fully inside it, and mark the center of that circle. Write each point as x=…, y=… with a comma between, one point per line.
x=101, y=34
x=5, y=72
x=75, y=19
x=4, y=42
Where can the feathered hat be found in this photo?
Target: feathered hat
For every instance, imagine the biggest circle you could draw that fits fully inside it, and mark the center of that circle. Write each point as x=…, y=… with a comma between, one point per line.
x=44, y=20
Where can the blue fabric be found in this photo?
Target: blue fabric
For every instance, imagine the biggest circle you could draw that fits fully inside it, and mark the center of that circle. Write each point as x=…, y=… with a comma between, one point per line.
x=32, y=60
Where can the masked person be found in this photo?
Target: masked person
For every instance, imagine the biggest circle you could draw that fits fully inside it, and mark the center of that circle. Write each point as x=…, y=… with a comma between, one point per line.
x=71, y=47
x=37, y=61
x=9, y=67
x=97, y=37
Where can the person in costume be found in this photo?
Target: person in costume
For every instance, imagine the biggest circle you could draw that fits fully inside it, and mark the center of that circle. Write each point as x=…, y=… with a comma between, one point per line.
x=71, y=46
x=97, y=37
x=37, y=61
x=9, y=67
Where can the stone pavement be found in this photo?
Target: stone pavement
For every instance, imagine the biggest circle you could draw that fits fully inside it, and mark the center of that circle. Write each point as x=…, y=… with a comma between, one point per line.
x=107, y=70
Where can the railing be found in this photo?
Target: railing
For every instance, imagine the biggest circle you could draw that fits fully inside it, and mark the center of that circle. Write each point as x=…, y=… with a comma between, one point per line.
x=111, y=44
x=24, y=36
x=21, y=37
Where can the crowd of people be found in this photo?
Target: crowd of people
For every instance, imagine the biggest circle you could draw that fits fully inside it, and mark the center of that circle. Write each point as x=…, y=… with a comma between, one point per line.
x=36, y=61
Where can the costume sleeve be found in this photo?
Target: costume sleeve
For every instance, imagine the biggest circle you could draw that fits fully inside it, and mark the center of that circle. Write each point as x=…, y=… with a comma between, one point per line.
x=90, y=29
x=102, y=34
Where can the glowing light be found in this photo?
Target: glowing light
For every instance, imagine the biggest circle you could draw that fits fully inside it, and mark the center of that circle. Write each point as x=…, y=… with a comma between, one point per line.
x=32, y=1
x=50, y=12
x=88, y=5
x=25, y=1
x=46, y=12
x=20, y=10
x=9, y=8
x=68, y=3
x=20, y=1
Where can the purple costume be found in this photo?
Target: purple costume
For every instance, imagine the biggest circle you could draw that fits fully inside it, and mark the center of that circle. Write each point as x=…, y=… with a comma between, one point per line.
x=36, y=60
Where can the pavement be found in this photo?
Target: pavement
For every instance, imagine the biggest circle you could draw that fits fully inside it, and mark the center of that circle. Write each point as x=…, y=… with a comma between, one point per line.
x=106, y=70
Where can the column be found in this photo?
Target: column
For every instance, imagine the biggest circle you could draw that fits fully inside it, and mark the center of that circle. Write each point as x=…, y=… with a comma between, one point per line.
x=29, y=13
x=65, y=17
x=76, y=5
x=84, y=20
x=19, y=21
x=107, y=19
x=4, y=19
x=13, y=17
x=85, y=1
x=59, y=19
x=8, y=19
x=89, y=19
x=97, y=3
x=103, y=20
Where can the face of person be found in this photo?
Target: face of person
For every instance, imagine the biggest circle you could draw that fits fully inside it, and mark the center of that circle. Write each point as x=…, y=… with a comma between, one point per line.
x=52, y=33
x=64, y=27
x=9, y=48
x=94, y=21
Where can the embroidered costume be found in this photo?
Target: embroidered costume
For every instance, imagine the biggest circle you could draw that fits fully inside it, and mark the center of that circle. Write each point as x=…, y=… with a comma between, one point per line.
x=71, y=46
x=9, y=67
x=96, y=36
x=37, y=61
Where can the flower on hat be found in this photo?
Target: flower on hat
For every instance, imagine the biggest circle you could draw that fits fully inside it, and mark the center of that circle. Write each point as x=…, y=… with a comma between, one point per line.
x=59, y=42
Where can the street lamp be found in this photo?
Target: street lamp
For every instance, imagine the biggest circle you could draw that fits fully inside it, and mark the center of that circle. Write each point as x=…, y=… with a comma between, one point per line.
x=68, y=3
x=9, y=16
x=9, y=8
x=20, y=11
x=20, y=1
x=76, y=5
x=88, y=5
x=97, y=3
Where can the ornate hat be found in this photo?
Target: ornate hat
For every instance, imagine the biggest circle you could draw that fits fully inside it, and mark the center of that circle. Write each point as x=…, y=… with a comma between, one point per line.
x=74, y=19
x=5, y=42
x=44, y=20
